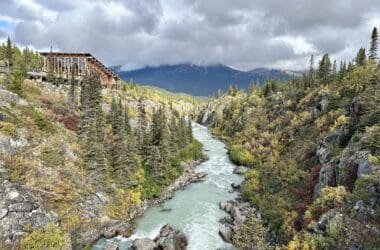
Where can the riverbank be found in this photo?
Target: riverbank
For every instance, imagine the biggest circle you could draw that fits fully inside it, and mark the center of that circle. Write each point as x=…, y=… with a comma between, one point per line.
x=194, y=211
x=125, y=228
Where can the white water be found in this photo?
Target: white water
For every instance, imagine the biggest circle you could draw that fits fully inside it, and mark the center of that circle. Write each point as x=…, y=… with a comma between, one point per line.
x=195, y=210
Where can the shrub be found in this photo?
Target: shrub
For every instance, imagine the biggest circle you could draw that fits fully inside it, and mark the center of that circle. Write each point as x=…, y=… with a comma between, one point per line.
x=8, y=129
x=330, y=197
x=49, y=238
x=240, y=156
x=51, y=158
x=251, y=235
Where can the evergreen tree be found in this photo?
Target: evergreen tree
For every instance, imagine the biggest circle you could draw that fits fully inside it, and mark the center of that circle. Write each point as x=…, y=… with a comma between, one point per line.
x=189, y=131
x=8, y=52
x=373, y=48
x=127, y=125
x=154, y=162
x=267, y=89
x=360, y=57
x=71, y=94
x=334, y=71
x=173, y=127
x=142, y=135
x=324, y=71
x=92, y=128
x=311, y=72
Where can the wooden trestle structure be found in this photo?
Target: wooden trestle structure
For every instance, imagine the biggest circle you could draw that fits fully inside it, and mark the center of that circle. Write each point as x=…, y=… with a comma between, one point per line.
x=77, y=65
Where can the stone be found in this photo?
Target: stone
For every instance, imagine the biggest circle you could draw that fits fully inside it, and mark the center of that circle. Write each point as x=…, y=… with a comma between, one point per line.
x=222, y=205
x=228, y=207
x=111, y=245
x=3, y=212
x=235, y=185
x=240, y=170
x=226, y=234
x=21, y=207
x=143, y=244
x=109, y=233
x=364, y=167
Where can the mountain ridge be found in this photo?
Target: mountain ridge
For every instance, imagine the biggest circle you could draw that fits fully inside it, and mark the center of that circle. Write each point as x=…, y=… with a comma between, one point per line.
x=199, y=80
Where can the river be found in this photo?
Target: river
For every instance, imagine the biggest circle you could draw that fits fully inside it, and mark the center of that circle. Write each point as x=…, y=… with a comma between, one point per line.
x=195, y=210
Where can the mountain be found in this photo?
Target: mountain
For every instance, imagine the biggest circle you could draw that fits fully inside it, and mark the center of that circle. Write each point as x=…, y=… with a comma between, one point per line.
x=198, y=80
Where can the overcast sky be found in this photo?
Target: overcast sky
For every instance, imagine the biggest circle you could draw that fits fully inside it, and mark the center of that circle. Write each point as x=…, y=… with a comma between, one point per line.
x=243, y=34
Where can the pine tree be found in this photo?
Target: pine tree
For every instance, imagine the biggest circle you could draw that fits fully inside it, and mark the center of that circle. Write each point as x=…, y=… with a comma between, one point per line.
x=127, y=125
x=324, y=71
x=8, y=52
x=173, y=127
x=92, y=128
x=154, y=162
x=360, y=57
x=71, y=94
x=373, y=48
x=311, y=72
x=189, y=130
x=334, y=71
x=142, y=133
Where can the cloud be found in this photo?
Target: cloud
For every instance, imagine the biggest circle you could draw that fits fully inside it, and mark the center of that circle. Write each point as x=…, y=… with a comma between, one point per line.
x=241, y=33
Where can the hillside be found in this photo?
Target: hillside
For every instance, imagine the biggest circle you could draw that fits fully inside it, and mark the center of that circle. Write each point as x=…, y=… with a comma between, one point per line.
x=78, y=162
x=313, y=152
x=199, y=80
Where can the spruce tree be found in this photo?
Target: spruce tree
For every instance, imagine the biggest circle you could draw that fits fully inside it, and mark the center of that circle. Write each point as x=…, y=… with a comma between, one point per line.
x=8, y=52
x=324, y=71
x=154, y=162
x=311, y=72
x=92, y=127
x=373, y=48
x=360, y=57
x=71, y=94
x=189, y=131
x=127, y=125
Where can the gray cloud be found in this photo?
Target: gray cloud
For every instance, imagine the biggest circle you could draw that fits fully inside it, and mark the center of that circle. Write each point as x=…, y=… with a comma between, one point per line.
x=241, y=33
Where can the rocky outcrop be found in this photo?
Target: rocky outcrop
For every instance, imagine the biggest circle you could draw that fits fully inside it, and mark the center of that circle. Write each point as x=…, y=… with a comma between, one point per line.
x=237, y=211
x=20, y=212
x=240, y=170
x=167, y=239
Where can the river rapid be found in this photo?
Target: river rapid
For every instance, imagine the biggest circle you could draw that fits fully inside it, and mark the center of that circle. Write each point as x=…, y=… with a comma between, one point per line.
x=195, y=210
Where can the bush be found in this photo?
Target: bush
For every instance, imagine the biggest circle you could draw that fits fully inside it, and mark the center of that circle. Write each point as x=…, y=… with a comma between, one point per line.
x=8, y=129
x=52, y=158
x=251, y=235
x=49, y=238
x=42, y=123
x=240, y=156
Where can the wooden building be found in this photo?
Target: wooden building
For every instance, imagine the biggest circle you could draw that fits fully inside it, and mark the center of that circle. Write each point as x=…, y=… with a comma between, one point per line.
x=65, y=65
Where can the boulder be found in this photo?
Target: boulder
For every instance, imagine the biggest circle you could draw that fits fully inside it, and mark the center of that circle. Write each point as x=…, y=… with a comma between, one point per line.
x=236, y=215
x=144, y=244
x=226, y=233
x=222, y=205
x=170, y=239
x=111, y=245
x=240, y=170
x=235, y=185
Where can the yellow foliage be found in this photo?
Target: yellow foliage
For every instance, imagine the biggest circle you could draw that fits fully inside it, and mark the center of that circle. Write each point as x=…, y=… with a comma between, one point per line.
x=49, y=238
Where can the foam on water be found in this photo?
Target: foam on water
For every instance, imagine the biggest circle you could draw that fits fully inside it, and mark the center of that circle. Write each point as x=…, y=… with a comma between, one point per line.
x=195, y=210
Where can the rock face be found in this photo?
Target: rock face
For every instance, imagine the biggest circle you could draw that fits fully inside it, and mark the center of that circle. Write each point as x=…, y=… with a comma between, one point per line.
x=167, y=239
x=19, y=210
x=238, y=213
